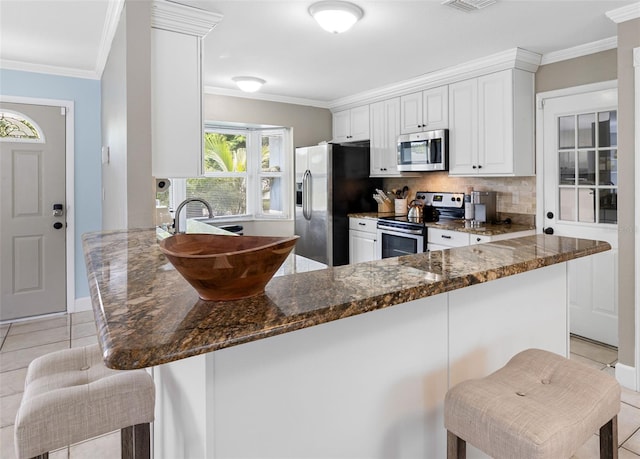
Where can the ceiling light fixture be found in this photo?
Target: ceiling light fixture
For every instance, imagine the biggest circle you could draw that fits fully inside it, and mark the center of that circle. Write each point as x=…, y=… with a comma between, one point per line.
x=248, y=84
x=335, y=16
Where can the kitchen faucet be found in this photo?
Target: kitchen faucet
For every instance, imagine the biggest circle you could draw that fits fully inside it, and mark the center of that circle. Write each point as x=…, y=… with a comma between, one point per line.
x=176, y=218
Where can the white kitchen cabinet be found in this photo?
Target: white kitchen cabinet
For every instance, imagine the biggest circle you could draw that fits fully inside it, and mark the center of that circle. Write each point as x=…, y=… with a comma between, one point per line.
x=176, y=88
x=362, y=240
x=385, y=128
x=481, y=238
x=491, y=125
x=438, y=239
x=351, y=125
x=425, y=111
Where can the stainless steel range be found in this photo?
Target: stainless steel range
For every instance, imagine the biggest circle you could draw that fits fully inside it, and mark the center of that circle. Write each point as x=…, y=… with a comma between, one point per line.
x=399, y=235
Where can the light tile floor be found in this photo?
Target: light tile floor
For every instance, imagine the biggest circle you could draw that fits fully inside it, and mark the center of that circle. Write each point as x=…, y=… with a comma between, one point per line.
x=23, y=341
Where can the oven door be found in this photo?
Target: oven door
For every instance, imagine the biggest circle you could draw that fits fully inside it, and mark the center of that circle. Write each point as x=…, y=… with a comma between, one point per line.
x=395, y=242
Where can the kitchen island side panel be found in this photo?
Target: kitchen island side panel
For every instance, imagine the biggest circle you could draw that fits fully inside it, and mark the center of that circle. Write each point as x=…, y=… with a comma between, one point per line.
x=489, y=323
x=369, y=386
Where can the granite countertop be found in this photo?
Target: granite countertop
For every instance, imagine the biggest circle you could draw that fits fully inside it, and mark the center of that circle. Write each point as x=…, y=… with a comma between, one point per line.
x=487, y=229
x=147, y=314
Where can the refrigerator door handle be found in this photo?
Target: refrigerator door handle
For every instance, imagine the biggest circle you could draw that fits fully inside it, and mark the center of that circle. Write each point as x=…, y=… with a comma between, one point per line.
x=306, y=195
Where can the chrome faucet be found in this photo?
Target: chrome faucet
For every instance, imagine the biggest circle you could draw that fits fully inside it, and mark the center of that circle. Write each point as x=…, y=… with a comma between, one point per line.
x=176, y=219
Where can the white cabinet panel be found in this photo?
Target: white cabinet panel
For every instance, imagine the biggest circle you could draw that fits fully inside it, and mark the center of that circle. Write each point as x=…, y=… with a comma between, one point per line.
x=491, y=122
x=447, y=238
x=362, y=240
x=351, y=125
x=385, y=129
x=176, y=104
x=425, y=111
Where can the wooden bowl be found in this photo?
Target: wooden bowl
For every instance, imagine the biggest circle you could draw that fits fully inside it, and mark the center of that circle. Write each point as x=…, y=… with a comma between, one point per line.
x=224, y=267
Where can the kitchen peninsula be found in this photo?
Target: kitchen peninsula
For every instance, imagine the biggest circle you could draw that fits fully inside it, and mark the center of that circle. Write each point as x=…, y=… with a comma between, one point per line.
x=347, y=362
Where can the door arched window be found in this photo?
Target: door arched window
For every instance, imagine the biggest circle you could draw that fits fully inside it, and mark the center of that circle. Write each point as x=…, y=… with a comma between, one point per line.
x=16, y=127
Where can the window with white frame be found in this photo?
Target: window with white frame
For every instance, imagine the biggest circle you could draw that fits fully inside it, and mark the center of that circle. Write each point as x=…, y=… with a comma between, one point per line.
x=245, y=174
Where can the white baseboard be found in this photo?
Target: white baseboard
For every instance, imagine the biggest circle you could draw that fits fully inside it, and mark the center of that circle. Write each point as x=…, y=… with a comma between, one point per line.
x=81, y=304
x=626, y=376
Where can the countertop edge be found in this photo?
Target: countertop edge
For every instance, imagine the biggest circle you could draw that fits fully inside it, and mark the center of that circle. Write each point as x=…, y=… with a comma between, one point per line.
x=117, y=357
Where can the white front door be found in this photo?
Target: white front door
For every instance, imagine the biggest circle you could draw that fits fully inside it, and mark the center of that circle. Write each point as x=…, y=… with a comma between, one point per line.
x=580, y=190
x=32, y=210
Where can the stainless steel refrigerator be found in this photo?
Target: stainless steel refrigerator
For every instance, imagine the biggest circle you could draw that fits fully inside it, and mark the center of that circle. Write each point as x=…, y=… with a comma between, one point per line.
x=331, y=181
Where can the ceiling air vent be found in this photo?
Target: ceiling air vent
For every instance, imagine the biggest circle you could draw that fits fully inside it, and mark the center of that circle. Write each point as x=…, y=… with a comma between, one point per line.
x=468, y=5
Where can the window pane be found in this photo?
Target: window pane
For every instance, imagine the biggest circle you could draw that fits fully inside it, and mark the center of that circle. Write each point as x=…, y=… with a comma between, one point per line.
x=608, y=206
x=586, y=167
x=608, y=129
x=567, y=204
x=225, y=152
x=272, y=196
x=586, y=132
x=608, y=167
x=566, y=132
x=272, y=153
x=586, y=205
x=227, y=196
x=567, y=167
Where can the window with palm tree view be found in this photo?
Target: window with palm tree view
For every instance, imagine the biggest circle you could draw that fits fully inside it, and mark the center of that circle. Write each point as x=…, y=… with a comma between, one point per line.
x=244, y=174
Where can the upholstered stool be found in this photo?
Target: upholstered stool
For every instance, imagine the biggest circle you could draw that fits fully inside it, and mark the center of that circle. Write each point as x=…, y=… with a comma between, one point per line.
x=539, y=405
x=70, y=396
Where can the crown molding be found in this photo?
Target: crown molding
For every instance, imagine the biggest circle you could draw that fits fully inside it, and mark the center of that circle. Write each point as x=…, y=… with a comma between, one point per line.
x=580, y=50
x=625, y=13
x=181, y=18
x=112, y=19
x=266, y=97
x=515, y=58
x=48, y=69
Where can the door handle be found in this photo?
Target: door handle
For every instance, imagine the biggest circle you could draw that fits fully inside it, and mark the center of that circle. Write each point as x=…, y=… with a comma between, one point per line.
x=57, y=225
x=548, y=230
x=306, y=195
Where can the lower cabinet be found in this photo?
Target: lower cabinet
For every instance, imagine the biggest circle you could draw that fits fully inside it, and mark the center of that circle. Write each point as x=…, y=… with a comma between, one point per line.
x=362, y=240
x=439, y=239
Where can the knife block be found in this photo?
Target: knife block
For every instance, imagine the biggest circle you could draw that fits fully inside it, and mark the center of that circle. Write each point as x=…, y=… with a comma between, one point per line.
x=386, y=207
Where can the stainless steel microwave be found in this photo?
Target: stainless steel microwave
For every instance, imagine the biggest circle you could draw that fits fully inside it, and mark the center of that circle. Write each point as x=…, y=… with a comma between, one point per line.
x=424, y=151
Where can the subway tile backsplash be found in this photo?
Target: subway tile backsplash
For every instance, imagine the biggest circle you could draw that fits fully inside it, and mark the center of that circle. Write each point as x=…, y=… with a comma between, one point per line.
x=515, y=195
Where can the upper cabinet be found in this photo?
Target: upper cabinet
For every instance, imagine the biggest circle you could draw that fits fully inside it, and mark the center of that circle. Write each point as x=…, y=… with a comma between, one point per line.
x=425, y=111
x=176, y=88
x=385, y=129
x=351, y=125
x=491, y=121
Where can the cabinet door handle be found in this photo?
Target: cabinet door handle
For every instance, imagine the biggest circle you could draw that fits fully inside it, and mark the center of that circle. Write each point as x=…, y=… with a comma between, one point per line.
x=444, y=236
x=362, y=224
x=479, y=167
x=473, y=167
x=478, y=239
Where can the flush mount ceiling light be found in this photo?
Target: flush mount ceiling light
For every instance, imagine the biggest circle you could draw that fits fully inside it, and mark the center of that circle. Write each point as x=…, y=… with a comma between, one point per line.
x=468, y=5
x=335, y=17
x=248, y=84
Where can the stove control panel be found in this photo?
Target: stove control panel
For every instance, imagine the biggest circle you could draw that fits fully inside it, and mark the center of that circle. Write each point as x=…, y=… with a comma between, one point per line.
x=437, y=199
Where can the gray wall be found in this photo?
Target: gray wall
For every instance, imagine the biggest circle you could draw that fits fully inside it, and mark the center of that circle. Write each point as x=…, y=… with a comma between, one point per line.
x=628, y=38
x=582, y=70
x=126, y=122
x=310, y=124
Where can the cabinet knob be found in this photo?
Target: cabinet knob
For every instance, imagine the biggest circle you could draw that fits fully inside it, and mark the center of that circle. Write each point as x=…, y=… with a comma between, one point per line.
x=479, y=167
x=473, y=167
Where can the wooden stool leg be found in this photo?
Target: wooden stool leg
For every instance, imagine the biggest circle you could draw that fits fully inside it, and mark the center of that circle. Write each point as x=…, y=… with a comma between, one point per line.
x=609, y=439
x=456, y=447
x=136, y=442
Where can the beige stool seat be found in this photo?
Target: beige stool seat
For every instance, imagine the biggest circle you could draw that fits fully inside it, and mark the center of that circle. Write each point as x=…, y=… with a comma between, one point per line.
x=539, y=405
x=71, y=396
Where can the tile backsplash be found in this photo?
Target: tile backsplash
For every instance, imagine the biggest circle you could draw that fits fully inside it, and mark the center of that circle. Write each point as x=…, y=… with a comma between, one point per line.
x=515, y=195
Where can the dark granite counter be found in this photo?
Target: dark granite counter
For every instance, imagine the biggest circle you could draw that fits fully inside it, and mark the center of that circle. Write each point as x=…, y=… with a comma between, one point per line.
x=488, y=229
x=148, y=315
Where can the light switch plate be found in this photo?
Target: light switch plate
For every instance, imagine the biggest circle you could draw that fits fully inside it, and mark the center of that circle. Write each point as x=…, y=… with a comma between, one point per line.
x=105, y=155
